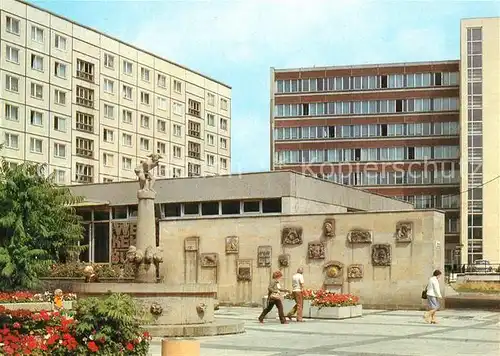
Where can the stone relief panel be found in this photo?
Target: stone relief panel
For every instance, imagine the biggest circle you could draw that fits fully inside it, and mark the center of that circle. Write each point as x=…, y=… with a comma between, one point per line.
x=334, y=269
x=244, y=270
x=329, y=228
x=381, y=255
x=316, y=251
x=284, y=260
x=355, y=271
x=264, y=254
x=209, y=259
x=404, y=231
x=191, y=243
x=124, y=235
x=232, y=245
x=359, y=236
x=291, y=235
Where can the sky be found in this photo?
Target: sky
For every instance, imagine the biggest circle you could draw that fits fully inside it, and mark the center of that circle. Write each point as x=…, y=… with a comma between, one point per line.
x=238, y=41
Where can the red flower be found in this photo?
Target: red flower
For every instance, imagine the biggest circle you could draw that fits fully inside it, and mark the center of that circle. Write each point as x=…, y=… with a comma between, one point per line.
x=16, y=325
x=130, y=347
x=92, y=346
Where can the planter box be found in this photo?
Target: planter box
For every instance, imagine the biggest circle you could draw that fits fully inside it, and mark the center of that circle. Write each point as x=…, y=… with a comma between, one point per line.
x=36, y=306
x=288, y=304
x=336, y=312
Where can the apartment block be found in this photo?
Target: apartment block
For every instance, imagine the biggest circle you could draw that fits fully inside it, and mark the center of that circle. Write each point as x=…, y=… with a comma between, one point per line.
x=91, y=107
x=391, y=129
x=480, y=144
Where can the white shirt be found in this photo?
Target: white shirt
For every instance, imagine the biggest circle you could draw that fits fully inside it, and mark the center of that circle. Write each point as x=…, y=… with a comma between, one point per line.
x=433, y=289
x=297, y=280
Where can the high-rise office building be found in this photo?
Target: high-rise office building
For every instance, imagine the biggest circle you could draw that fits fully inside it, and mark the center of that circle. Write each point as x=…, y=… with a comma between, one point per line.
x=91, y=106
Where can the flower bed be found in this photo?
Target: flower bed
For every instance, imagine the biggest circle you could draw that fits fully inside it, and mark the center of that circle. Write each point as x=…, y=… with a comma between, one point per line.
x=28, y=297
x=327, y=305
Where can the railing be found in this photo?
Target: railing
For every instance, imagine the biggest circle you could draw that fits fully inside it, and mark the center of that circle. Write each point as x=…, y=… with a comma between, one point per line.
x=476, y=268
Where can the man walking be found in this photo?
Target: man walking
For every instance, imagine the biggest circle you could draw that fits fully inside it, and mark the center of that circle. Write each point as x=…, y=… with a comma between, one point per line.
x=297, y=288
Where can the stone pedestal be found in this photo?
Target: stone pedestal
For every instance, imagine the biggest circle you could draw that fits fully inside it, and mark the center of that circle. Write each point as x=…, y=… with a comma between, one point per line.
x=146, y=236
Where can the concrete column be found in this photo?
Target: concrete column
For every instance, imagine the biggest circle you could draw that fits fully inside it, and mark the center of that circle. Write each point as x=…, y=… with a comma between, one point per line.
x=180, y=348
x=146, y=236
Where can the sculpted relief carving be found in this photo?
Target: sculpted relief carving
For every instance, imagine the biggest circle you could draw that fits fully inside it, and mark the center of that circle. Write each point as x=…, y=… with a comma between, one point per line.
x=355, y=271
x=334, y=269
x=191, y=243
x=284, y=260
x=264, y=256
x=404, y=231
x=329, y=228
x=244, y=270
x=381, y=255
x=359, y=236
x=232, y=245
x=208, y=259
x=316, y=250
x=291, y=236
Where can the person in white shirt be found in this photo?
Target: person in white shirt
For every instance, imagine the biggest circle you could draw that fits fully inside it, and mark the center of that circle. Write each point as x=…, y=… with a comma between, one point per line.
x=297, y=288
x=433, y=293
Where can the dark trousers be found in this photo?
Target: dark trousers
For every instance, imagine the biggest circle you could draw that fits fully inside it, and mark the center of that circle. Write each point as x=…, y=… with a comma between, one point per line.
x=270, y=304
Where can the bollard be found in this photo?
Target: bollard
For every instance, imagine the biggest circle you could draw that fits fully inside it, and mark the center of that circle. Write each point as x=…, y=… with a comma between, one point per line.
x=180, y=348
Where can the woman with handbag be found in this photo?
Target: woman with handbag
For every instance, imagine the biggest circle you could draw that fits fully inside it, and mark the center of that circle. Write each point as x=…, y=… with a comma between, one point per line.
x=433, y=292
x=274, y=297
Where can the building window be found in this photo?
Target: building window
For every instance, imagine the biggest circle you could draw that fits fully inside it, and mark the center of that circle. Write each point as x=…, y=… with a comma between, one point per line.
x=144, y=144
x=84, y=147
x=36, y=118
x=223, y=104
x=60, y=42
x=108, y=135
x=84, y=96
x=271, y=205
x=109, y=61
x=37, y=91
x=59, y=150
x=194, y=150
x=178, y=109
x=84, y=122
x=223, y=124
x=161, y=147
x=177, y=86
x=177, y=130
x=176, y=151
x=109, y=111
x=36, y=145
x=59, y=97
x=210, y=160
x=162, y=103
x=11, y=141
x=210, y=140
x=127, y=116
x=211, y=99
x=12, y=25
x=109, y=86
x=37, y=62
x=145, y=121
x=12, y=83
x=251, y=206
x=59, y=124
x=194, y=170
x=60, y=176
x=127, y=163
x=127, y=67
x=223, y=143
x=12, y=54
x=84, y=173
x=145, y=74
x=176, y=172
x=60, y=70
x=161, y=170
x=194, y=129
x=127, y=140
x=11, y=112
x=37, y=34
x=194, y=108
x=161, y=125
x=127, y=92
x=85, y=70
x=210, y=119
x=108, y=159
x=223, y=163
x=144, y=98
x=162, y=81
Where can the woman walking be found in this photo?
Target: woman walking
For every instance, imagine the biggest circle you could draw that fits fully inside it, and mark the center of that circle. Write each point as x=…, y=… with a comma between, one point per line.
x=274, y=297
x=433, y=293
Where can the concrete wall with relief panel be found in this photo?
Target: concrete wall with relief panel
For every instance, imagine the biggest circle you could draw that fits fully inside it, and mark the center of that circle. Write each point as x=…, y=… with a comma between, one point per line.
x=398, y=284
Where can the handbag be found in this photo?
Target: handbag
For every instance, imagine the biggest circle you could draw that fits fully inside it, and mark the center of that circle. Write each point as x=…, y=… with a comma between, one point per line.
x=424, y=294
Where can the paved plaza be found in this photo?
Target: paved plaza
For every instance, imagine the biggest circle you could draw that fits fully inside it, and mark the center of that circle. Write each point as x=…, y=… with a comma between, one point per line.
x=377, y=333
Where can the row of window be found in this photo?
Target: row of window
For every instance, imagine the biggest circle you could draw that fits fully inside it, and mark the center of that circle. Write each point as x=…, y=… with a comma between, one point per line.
x=451, y=201
x=85, y=70
x=371, y=130
x=371, y=82
x=367, y=107
x=394, y=178
x=366, y=154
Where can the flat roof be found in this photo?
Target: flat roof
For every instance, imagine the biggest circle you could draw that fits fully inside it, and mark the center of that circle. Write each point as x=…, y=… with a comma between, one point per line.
x=247, y=186
x=358, y=66
x=118, y=40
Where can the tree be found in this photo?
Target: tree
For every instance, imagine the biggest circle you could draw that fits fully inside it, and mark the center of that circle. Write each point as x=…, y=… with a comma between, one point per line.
x=38, y=224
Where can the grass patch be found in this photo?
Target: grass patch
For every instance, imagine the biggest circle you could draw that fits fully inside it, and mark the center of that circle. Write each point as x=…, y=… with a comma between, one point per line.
x=479, y=287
